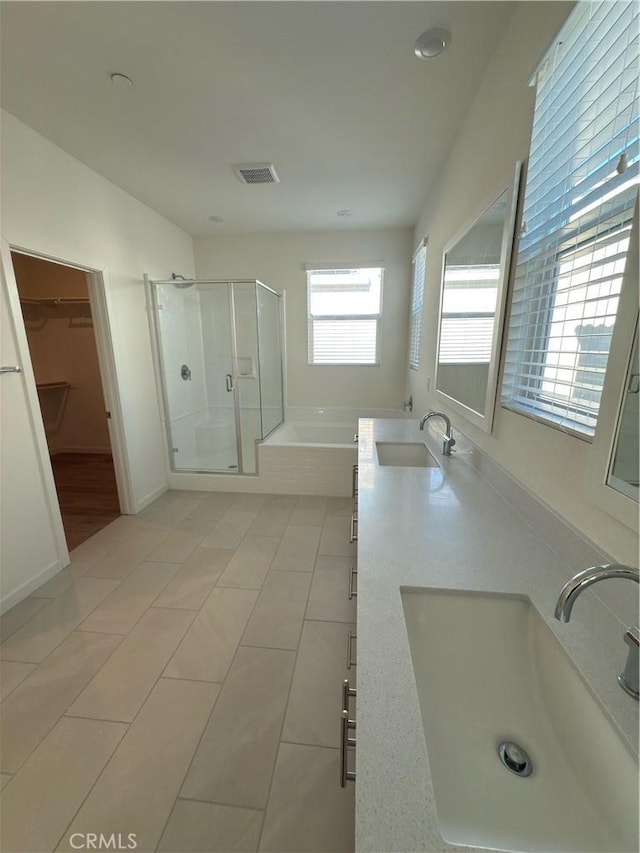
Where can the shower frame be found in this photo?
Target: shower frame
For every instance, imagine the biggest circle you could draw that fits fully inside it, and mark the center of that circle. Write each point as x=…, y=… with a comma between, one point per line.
x=181, y=282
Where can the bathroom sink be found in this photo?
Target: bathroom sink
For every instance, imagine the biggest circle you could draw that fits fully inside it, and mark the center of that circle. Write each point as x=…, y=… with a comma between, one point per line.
x=489, y=671
x=412, y=454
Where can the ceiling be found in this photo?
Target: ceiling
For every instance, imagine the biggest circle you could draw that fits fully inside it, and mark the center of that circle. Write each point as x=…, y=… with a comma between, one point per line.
x=329, y=92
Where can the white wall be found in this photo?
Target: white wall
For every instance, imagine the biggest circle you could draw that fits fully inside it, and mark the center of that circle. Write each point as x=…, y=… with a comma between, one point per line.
x=54, y=205
x=278, y=260
x=496, y=134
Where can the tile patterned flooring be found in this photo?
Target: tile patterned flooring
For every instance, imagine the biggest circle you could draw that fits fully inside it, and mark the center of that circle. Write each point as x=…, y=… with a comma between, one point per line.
x=181, y=680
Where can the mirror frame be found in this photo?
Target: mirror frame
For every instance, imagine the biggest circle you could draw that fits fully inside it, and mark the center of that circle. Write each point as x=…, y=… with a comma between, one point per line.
x=484, y=420
x=599, y=490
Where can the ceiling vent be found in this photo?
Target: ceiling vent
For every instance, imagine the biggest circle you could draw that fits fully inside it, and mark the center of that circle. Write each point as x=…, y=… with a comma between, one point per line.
x=256, y=173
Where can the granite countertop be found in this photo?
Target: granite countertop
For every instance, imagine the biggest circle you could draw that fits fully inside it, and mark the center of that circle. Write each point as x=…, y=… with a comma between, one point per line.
x=445, y=527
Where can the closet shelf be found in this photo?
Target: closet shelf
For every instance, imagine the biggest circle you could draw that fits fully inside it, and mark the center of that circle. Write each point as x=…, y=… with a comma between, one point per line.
x=53, y=386
x=55, y=300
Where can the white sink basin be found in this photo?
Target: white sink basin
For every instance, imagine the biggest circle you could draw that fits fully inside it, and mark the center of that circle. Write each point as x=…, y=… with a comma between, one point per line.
x=488, y=669
x=404, y=454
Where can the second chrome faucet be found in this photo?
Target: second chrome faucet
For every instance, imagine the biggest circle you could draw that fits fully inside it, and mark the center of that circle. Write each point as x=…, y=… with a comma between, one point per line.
x=448, y=441
x=628, y=678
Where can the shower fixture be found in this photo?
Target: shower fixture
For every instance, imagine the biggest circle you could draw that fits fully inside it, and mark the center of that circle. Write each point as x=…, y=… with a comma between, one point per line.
x=180, y=281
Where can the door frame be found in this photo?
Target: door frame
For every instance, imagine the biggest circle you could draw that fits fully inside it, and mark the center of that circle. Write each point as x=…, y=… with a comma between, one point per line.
x=231, y=297
x=97, y=285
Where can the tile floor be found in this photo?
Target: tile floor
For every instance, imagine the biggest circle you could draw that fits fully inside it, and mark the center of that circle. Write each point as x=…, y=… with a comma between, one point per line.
x=181, y=681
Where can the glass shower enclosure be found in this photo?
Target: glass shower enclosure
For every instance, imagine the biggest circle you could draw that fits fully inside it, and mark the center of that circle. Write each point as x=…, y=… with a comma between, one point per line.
x=219, y=354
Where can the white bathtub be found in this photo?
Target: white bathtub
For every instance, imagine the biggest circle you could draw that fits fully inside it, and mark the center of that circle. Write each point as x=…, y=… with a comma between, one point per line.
x=313, y=452
x=313, y=434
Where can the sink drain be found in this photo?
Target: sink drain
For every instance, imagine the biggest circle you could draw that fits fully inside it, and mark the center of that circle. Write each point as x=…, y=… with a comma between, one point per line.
x=515, y=758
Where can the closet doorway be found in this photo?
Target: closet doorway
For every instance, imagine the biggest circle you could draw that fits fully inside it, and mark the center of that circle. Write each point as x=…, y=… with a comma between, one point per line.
x=58, y=320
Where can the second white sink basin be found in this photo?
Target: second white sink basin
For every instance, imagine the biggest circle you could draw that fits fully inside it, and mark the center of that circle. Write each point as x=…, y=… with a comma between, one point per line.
x=489, y=670
x=405, y=454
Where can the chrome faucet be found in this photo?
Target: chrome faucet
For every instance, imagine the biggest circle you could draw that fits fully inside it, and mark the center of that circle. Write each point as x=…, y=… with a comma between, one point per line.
x=448, y=440
x=628, y=678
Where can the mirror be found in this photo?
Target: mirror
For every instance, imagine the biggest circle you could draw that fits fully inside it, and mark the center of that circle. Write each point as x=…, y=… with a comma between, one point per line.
x=474, y=284
x=624, y=473
x=612, y=466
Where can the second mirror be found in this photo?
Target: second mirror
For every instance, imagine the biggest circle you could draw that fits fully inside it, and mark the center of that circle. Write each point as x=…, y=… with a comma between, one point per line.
x=471, y=308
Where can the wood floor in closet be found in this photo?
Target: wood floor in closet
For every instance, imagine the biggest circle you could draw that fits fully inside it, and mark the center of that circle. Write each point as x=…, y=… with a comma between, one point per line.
x=86, y=486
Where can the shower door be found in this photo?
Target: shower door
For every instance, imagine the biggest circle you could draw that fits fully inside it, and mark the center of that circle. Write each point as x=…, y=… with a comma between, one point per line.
x=246, y=371
x=220, y=364
x=220, y=447
x=195, y=346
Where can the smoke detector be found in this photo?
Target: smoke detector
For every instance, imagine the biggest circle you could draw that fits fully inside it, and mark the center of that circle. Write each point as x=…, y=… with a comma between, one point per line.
x=256, y=173
x=432, y=43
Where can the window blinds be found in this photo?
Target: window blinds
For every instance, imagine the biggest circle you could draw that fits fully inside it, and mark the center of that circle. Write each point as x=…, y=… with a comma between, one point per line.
x=417, y=298
x=344, y=315
x=580, y=194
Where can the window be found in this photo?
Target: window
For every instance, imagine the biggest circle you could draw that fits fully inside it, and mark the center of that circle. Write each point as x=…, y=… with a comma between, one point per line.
x=468, y=314
x=417, y=298
x=578, y=206
x=344, y=315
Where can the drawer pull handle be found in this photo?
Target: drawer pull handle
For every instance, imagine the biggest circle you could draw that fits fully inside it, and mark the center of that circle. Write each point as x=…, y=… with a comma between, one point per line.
x=347, y=693
x=355, y=438
x=353, y=534
x=354, y=481
x=353, y=574
x=350, y=638
x=346, y=726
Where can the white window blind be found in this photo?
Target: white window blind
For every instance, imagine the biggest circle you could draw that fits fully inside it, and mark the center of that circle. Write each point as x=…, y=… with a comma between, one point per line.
x=417, y=299
x=468, y=314
x=580, y=194
x=344, y=315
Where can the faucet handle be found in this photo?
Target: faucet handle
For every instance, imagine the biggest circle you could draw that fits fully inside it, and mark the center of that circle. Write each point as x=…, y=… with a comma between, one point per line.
x=632, y=637
x=628, y=678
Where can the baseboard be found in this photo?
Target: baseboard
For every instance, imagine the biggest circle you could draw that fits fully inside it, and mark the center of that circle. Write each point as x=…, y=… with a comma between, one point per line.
x=150, y=498
x=29, y=586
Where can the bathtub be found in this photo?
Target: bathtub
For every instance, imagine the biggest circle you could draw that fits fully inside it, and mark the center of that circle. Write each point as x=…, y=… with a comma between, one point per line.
x=313, y=434
x=314, y=452
x=311, y=453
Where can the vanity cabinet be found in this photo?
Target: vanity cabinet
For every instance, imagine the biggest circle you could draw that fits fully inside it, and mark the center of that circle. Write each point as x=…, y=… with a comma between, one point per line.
x=347, y=710
x=347, y=734
x=461, y=526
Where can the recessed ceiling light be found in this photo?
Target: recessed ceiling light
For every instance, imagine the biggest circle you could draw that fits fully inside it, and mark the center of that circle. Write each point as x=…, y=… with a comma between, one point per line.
x=432, y=43
x=216, y=219
x=121, y=80
x=344, y=213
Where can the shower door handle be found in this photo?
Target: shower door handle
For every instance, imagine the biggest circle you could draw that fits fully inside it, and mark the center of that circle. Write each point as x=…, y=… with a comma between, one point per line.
x=229, y=381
